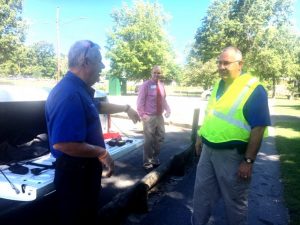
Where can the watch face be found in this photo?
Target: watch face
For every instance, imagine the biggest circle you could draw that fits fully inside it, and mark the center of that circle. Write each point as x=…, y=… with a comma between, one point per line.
x=247, y=160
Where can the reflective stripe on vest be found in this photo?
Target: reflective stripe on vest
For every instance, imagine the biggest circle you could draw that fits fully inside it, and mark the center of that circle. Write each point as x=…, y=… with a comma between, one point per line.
x=229, y=117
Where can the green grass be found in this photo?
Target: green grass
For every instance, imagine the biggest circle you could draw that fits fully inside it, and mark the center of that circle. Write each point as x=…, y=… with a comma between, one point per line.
x=287, y=126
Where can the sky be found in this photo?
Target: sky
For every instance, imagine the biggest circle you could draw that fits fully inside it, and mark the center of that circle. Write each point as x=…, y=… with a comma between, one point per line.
x=91, y=19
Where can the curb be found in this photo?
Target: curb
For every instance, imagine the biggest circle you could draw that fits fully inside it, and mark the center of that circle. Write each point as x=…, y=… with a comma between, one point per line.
x=134, y=199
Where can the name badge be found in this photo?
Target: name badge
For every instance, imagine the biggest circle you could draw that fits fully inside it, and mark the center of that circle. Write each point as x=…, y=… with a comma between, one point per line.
x=153, y=86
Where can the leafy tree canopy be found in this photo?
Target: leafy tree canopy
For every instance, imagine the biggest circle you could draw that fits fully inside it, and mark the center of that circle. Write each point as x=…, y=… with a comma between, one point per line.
x=11, y=28
x=261, y=29
x=138, y=41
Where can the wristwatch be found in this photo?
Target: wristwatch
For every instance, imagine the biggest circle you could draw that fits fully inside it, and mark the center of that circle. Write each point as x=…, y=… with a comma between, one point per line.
x=127, y=108
x=248, y=160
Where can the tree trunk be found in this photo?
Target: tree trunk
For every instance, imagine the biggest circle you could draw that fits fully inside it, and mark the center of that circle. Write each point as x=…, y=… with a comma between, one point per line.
x=273, y=87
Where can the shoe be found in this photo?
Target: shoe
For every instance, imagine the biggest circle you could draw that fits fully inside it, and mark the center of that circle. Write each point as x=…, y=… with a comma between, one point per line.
x=155, y=165
x=148, y=166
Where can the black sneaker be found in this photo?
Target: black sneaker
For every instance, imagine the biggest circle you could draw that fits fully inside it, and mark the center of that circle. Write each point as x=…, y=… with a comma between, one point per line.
x=155, y=165
x=148, y=166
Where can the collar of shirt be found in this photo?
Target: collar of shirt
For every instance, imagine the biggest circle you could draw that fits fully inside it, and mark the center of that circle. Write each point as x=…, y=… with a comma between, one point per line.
x=79, y=82
x=221, y=88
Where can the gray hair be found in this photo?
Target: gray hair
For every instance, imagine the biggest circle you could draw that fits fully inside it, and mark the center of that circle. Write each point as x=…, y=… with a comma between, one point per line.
x=238, y=52
x=156, y=67
x=82, y=51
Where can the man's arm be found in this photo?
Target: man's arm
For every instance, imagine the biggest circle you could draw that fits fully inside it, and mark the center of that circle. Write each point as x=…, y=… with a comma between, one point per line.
x=256, y=112
x=254, y=143
x=141, y=100
x=166, y=107
x=165, y=104
x=77, y=149
x=256, y=136
x=109, y=108
x=86, y=150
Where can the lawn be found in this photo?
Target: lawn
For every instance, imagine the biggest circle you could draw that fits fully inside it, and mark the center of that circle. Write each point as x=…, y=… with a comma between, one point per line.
x=287, y=126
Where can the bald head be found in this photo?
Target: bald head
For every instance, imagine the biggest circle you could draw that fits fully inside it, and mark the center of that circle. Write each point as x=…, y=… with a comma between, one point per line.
x=230, y=64
x=234, y=51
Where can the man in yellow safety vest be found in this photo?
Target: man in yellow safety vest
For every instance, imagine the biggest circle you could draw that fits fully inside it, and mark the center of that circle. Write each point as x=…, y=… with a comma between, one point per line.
x=236, y=118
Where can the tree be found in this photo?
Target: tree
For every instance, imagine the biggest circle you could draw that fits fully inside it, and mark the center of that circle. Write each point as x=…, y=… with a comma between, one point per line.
x=11, y=28
x=44, y=59
x=278, y=57
x=37, y=60
x=17, y=63
x=261, y=29
x=201, y=74
x=240, y=23
x=138, y=41
x=209, y=38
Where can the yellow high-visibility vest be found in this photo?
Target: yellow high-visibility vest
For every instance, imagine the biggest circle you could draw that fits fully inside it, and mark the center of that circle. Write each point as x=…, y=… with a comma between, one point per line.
x=224, y=120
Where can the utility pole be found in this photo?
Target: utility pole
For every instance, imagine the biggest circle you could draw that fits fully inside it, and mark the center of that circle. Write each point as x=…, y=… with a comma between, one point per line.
x=58, y=48
x=58, y=45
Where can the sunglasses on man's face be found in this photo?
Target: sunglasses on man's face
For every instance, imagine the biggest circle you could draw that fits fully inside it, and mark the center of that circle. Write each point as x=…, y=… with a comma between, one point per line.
x=89, y=45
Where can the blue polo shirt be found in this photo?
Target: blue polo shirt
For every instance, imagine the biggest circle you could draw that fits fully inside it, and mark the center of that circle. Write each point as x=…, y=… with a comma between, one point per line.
x=72, y=114
x=256, y=112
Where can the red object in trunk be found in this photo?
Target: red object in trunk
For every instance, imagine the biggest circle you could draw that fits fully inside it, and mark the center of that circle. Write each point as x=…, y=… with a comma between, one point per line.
x=111, y=135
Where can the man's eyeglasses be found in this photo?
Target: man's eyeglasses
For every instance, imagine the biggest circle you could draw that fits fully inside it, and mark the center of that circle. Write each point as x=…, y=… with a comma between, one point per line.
x=226, y=63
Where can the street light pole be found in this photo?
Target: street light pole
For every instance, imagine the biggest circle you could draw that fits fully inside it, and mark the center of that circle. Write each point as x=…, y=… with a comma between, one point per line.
x=58, y=23
x=58, y=44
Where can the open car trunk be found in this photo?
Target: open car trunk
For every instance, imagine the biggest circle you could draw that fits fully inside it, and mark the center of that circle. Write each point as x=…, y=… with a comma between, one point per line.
x=27, y=167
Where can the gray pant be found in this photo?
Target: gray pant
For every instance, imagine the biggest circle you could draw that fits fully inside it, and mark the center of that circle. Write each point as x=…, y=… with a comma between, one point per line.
x=217, y=177
x=154, y=133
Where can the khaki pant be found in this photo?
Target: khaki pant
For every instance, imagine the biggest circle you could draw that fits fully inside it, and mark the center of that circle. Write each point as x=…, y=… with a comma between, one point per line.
x=154, y=133
x=216, y=178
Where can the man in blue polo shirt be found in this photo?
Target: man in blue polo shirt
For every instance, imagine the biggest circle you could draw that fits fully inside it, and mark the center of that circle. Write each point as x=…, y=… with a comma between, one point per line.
x=236, y=118
x=75, y=135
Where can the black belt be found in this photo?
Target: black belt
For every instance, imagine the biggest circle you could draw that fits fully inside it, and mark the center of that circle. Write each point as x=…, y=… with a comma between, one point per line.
x=75, y=163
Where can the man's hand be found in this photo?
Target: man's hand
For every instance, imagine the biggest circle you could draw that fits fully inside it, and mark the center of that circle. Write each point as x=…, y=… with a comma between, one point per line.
x=245, y=170
x=133, y=115
x=108, y=162
x=167, y=114
x=145, y=118
x=198, y=146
